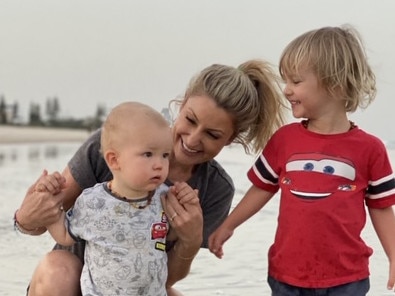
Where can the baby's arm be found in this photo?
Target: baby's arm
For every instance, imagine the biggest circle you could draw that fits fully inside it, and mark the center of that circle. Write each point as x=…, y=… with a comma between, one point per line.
x=383, y=221
x=59, y=232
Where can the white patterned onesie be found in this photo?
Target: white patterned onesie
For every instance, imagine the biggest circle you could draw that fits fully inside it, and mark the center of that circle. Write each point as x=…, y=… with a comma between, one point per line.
x=125, y=247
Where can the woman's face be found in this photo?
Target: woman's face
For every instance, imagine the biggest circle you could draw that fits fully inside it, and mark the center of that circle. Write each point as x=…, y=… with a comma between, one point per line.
x=201, y=130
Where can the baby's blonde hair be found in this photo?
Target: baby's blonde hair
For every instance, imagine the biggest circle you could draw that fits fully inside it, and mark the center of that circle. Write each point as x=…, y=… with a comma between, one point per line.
x=123, y=119
x=337, y=56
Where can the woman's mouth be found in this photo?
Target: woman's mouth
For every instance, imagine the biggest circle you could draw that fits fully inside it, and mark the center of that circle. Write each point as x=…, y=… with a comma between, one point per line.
x=187, y=149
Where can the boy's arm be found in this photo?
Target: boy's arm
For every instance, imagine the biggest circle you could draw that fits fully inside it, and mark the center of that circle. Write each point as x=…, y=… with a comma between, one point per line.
x=58, y=231
x=383, y=221
x=252, y=202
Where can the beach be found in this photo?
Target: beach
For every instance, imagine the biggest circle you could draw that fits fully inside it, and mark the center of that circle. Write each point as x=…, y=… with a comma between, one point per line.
x=25, y=134
x=242, y=271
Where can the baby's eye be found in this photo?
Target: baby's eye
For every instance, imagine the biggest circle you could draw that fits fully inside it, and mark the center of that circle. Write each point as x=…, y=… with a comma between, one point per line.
x=148, y=154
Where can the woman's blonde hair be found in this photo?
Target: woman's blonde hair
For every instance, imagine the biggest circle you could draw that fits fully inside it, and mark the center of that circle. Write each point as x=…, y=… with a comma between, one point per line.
x=250, y=93
x=337, y=56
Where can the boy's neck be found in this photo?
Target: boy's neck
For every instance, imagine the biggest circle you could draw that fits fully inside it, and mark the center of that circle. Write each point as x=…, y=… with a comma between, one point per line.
x=328, y=128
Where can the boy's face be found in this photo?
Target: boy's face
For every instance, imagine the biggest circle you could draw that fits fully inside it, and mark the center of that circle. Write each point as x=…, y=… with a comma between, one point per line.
x=308, y=98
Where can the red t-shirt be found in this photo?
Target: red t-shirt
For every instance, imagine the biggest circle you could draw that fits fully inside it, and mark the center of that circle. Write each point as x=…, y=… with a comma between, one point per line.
x=324, y=182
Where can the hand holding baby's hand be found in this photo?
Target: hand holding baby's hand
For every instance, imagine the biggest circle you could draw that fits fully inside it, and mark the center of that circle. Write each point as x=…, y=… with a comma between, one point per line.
x=52, y=183
x=184, y=193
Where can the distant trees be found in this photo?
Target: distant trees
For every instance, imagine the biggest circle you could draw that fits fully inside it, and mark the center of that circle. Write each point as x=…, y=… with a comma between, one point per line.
x=51, y=117
x=35, y=115
x=8, y=113
x=52, y=108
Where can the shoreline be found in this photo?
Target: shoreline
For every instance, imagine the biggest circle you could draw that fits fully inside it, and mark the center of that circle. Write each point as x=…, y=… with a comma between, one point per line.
x=27, y=134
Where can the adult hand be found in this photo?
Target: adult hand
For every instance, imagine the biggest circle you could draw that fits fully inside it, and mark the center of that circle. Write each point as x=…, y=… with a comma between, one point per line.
x=186, y=221
x=186, y=218
x=39, y=208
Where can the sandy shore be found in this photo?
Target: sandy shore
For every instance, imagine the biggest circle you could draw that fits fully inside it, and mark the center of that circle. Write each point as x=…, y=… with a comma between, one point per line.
x=16, y=134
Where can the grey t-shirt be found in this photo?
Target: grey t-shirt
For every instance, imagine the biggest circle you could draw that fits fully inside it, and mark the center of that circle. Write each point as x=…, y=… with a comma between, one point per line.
x=215, y=186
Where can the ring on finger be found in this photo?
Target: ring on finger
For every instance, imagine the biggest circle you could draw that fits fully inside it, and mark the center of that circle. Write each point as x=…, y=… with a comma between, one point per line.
x=172, y=217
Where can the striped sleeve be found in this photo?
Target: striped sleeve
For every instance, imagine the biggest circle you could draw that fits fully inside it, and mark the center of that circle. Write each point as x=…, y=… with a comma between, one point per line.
x=263, y=176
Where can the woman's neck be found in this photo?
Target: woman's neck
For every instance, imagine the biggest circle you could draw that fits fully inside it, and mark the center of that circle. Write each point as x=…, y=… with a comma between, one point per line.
x=179, y=172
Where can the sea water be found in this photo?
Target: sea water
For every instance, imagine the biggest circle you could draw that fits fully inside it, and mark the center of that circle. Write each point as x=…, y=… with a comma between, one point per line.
x=242, y=271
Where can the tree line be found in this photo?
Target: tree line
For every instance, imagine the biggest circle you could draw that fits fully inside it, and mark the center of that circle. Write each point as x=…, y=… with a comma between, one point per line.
x=50, y=116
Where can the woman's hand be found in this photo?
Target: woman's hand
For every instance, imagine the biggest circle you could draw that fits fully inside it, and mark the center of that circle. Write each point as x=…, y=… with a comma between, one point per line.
x=186, y=221
x=40, y=207
x=185, y=214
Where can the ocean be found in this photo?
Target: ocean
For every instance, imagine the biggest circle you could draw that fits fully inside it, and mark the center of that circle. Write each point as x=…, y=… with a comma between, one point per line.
x=242, y=271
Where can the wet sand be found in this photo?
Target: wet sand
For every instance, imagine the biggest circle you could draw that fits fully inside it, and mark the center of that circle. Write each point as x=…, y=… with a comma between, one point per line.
x=19, y=134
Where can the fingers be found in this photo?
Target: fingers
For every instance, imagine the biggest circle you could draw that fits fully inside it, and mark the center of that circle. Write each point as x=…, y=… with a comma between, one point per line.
x=52, y=183
x=32, y=188
x=185, y=194
x=391, y=281
x=217, y=240
x=186, y=221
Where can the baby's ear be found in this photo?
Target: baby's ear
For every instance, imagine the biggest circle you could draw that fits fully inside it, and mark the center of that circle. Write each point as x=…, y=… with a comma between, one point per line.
x=111, y=159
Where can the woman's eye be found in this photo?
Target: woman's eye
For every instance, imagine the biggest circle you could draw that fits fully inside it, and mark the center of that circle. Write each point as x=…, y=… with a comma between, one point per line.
x=190, y=120
x=214, y=136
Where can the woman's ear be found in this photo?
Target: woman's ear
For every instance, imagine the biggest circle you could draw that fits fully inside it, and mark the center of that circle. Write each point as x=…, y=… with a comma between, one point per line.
x=111, y=159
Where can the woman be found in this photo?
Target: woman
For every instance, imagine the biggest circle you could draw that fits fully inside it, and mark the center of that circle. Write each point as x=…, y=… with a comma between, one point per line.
x=222, y=105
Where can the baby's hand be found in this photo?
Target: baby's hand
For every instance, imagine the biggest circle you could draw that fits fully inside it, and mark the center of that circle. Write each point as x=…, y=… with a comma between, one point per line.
x=185, y=194
x=52, y=183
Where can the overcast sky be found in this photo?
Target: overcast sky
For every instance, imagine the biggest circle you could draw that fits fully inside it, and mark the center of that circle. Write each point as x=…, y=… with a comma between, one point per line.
x=91, y=52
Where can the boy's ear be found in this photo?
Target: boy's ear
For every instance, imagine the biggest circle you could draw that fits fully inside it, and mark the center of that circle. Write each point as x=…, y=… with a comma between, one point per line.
x=111, y=159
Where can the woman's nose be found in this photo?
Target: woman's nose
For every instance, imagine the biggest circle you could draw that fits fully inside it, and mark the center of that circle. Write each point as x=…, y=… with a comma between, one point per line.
x=193, y=138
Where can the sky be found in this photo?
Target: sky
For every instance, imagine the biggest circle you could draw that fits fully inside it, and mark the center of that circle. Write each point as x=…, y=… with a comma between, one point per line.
x=96, y=52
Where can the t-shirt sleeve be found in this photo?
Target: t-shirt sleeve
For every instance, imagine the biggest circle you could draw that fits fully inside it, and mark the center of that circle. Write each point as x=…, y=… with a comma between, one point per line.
x=88, y=166
x=264, y=173
x=381, y=189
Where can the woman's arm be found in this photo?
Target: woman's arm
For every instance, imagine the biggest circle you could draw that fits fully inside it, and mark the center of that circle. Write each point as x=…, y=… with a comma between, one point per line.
x=188, y=226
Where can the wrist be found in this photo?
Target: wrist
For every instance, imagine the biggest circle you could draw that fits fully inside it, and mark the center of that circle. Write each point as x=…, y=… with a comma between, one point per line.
x=186, y=251
x=25, y=230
